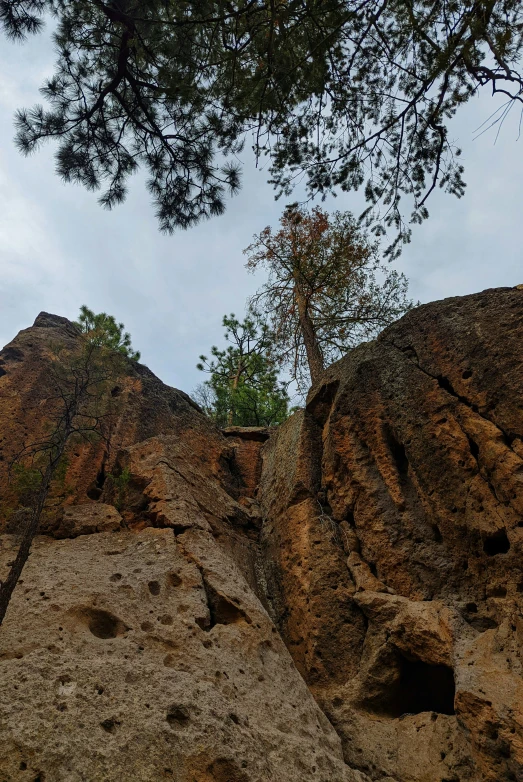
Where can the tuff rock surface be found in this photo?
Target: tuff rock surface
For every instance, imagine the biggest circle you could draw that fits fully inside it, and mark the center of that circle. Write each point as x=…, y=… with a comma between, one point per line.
x=394, y=530
x=336, y=600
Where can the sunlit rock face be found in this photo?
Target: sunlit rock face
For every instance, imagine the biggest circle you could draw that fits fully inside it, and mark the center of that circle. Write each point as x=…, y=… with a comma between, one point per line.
x=337, y=600
x=393, y=514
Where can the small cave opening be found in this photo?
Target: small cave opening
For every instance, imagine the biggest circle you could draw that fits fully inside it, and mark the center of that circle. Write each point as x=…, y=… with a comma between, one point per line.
x=497, y=543
x=2, y=371
x=420, y=687
x=222, y=610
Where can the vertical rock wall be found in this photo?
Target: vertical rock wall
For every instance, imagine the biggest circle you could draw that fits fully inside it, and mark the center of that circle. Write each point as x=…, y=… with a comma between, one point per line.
x=398, y=561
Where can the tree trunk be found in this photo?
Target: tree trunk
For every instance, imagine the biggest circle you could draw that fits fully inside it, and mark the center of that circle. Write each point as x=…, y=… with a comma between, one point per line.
x=312, y=348
x=7, y=587
x=235, y=381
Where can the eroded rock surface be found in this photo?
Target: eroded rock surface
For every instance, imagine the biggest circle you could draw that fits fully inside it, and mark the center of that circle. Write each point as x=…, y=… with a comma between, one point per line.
x=144, y=407
x=337, y=600
x=146, y=656
x=394, y=525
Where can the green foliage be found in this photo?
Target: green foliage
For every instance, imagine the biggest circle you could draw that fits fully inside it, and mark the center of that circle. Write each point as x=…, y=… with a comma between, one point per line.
x=102, y=330
x=346, y=95
x=243, y=389
x=120, y=483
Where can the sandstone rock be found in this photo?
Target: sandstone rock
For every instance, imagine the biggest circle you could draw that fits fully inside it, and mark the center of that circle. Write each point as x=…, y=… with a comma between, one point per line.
x=247, y=442
x=362, y=575
x=413, y=443
x=376, y=536
x=87, y=519
x=145, y=407
x=142, y=655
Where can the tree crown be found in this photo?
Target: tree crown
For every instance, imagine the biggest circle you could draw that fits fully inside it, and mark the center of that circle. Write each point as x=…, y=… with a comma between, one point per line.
x=349, y=95
x=326, y=289
x=243, y=389
x=103, y=330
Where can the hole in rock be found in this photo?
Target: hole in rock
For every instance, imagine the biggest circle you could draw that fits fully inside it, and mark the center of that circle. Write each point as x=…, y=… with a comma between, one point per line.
x=174, y=579
x=474, y=448
x=222, y=610
x=109, y=725
x=94, y=491
x=2, y=372
x=397, y=451
x=154, y=587
x=479, y=621
x=102, y=624
x=420, y=687
x=438, y=537
x=178, y=716
x=498, y=591
x=497, y=543
x=466, y=374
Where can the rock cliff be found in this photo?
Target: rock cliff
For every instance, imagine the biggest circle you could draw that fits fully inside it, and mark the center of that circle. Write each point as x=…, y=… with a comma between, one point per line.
x=337, y=600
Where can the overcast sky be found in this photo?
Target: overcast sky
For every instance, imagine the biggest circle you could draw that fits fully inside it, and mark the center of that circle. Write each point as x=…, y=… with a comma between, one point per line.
x=59, y=249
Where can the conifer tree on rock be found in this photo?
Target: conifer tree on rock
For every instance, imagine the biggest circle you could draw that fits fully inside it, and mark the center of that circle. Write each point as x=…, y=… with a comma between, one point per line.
x=102, y=330
x=243, y=389
x=80, y=407
x=326, y=289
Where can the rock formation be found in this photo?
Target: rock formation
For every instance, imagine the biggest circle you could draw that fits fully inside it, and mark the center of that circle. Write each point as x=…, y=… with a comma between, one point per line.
x=336, y=600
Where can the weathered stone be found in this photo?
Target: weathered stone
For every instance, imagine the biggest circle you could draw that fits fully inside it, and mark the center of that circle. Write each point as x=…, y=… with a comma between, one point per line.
x=362, y=575
x=144, y=407
x=413, y=443
x=87, y=519
x=380, y=529
x=146, y=656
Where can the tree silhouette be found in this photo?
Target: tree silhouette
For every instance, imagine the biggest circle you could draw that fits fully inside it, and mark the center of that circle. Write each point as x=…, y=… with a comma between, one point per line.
x=342, y=93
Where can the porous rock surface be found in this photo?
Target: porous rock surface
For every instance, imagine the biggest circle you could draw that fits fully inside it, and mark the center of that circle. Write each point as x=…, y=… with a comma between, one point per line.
x=335, y=600
x=394, y=532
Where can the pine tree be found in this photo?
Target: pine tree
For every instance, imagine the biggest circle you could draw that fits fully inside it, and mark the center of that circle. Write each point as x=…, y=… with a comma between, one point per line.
x=243, y=389
x=102, y=330
x=342, y=94
x=326, y=289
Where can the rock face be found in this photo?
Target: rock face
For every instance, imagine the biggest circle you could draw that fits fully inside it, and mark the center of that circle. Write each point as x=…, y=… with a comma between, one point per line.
x=145, y=407
x=394, y=529
x=337, y=600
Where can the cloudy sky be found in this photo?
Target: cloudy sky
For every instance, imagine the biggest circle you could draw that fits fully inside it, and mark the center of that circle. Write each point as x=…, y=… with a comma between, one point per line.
x=59, y=249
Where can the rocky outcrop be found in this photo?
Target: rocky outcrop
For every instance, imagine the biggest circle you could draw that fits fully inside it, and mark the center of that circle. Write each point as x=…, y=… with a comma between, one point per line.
x=143, y=405
x=337, y=600
x=394, y=529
